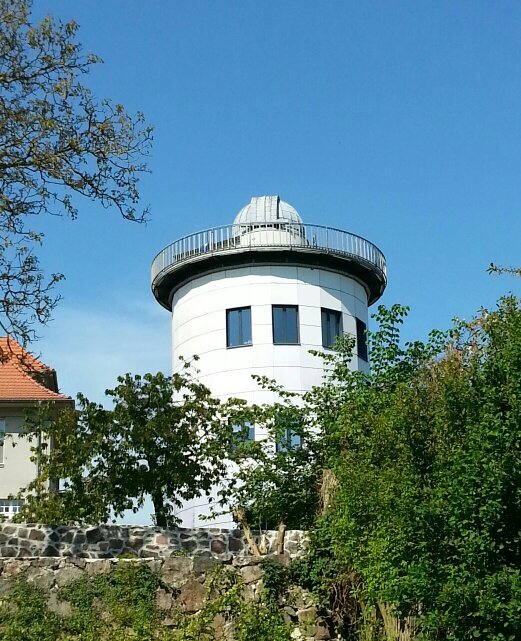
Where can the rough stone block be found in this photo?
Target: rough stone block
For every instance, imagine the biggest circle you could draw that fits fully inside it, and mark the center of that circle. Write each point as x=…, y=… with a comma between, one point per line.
x=203, y=564
x=8, y=551
x=189, y=545
x=50, y=550
x=192, y=596
x=218, y=547
x=176, y=570
x=67, y=575
x=36, y=535
x=308, y=615
x=164, y=600
x=10, y=529
x=54, y=537
x=251, y=573
x=62, y=608
x=41, y=577
x=101, y=566
x=235, y=545
x=322, y=632
x=283, y=559
x=94, y=535
x=5, y=586
x=161, y=539
x=79, y=538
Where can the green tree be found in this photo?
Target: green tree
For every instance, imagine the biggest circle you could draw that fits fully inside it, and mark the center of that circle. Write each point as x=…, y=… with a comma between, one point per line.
x=165, y=437
x=271, y=483
x=426, y=452
x=57, y=142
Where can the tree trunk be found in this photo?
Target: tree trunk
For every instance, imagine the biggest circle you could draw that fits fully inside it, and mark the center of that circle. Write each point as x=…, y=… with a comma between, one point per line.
x=239, y=515
x=159, y=510
x=281, y=533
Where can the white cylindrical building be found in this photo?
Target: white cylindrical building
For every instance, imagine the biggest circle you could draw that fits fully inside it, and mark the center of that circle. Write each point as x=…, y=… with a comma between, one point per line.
x=255, y=296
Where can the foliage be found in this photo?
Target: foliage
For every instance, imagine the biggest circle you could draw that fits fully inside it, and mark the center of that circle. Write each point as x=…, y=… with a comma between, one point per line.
x=259, y=620
x=127, y=596
x=275, y=580
x=496, y=269
x=165, y=436
x=282, y=484
x=111, y=607
x=24, y=615
x=120, y=605
x=426, y=453
x=272, y=483
x=57, y=142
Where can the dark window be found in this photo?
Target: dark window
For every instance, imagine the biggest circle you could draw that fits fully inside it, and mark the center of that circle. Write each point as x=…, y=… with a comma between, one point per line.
x=331, y=326
x=285, y=324
x=287, y=433
x=2, y=438
x=238, y=327
x=361, y=339
x=288, y=441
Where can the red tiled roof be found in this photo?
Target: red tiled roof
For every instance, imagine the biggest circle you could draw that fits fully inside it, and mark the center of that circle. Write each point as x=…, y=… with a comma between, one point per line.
x=23, y=377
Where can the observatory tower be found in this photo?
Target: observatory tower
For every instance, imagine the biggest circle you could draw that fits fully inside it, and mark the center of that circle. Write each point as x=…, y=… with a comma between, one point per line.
x=255, y=296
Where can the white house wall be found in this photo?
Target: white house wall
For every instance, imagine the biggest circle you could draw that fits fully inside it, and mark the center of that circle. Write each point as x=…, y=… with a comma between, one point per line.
x=16, y=468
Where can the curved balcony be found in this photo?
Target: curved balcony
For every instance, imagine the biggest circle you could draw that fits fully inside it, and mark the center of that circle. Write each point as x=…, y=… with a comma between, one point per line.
x=294, y=243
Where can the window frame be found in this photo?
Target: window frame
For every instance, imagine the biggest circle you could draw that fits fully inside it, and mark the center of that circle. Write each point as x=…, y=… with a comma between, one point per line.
x=10, y=507
x=338, y=315
x=2, y=440
x=241, y=342
x=290, y=442
x=297, y=324
x=242, y=433
x=361, y=340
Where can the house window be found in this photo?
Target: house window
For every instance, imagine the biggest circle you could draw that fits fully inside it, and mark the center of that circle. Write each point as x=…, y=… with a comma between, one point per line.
x=361, y=339
x=289, y=440
x=285, y=324
x=238, y=327
x=331, y=327
x=10, y=507
x=2, y=437
x=242, y=432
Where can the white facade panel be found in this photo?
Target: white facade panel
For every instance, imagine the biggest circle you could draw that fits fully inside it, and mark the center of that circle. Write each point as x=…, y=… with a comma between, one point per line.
x=199, y=323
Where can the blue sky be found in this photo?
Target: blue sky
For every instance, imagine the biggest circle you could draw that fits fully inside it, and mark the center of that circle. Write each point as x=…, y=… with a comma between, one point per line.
x=399, y=121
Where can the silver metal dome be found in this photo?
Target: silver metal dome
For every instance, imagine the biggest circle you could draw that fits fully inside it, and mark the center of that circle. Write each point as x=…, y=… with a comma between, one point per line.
x=267, y=209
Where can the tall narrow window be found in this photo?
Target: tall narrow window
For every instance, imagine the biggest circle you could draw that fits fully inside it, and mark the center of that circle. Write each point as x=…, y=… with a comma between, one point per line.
x=361, y=339
x=285, y=324
x=238, y=327
x=287, y=433
x=289, y=441
x=331, y=326
x=2, y=437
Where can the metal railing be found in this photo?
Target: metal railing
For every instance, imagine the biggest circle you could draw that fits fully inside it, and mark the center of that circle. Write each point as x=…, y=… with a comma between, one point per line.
x=230, y=238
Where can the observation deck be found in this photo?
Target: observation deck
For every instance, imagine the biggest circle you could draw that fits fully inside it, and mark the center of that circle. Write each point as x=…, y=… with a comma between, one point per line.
x=267, y=242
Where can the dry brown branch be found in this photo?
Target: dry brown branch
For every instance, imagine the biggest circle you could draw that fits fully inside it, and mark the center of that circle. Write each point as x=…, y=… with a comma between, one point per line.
x=396, y=629
x=281, y=533
x=328, y=485
x=240, y=517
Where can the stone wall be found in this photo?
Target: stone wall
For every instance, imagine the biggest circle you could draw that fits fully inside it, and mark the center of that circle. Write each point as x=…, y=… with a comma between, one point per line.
x=183, y=588
x=111, y=541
